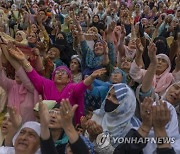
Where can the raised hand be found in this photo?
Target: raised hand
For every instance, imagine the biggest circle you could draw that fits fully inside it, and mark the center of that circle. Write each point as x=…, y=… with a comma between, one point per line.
x=15, y=117
x=67, y=113
x=43, y=113
x=152, y=53
x=111, y=27
x=105, y=47
x=160, y=115
x=93, y=129
x=146, y=114
x=123, y=33
x=84, y=122
x=98, y=73
x=17, y=53
x=76, y=22
x=139, y=46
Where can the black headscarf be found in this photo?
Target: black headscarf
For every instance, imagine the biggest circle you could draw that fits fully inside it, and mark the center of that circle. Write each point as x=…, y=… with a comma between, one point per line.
x=162, y=46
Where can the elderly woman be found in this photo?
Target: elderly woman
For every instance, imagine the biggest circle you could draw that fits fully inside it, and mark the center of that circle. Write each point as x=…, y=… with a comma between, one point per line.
x=172, y=93
x=26, y=140
x=162, y=78
x=20, y=37
x=114, y=116
x=61, y=86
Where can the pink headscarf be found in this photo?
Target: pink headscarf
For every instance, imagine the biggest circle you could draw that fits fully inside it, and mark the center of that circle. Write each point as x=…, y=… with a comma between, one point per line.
x=163, y=81
x=62, y=68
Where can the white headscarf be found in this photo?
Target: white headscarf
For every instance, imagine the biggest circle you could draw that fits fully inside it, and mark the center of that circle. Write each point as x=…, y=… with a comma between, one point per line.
x=23, y=34
x=172, y=131
x=164, y=96
x=33, y=125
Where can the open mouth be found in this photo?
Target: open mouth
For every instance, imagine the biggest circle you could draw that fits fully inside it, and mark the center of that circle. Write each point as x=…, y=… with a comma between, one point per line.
x=22, y=144
x=52, y=121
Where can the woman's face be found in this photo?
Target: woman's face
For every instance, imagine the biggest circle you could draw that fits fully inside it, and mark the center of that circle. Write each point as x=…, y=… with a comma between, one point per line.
x=52, y=53
x=61, y=77
x=132, y=44
x=161, y=66
x=178, y=13
x=111, y=96
x=173, y=94
x=6, y=124
x=32, y=38
x=125, y=63
x=137, y=7
x=74, y=65
x=92, y=30
x=42, y=14
x=116, y=77
x=18, y=37
x=95, y=19
x=81, y=18
x=175, y=22
x=34, y=28
x=71, y=26
x=98, y=48
x=60, y=36
x=35, y=8
x=54, y=119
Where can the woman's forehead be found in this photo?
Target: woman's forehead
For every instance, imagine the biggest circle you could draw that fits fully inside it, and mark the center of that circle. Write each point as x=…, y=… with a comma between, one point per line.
x=29, y=130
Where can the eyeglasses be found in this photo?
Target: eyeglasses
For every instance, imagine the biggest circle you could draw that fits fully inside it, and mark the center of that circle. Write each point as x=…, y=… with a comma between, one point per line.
x=61, y=72
x=54, y=112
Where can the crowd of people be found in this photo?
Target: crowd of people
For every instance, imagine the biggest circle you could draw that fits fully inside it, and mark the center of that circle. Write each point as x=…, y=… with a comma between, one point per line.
x=77, y=75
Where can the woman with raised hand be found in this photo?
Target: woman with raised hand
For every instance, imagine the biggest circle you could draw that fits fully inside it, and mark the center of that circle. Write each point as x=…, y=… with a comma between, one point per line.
x=61, y=86
x=113, y=118
x=102, y=53
x=146, y=89
x=21, y=92
x=159, y=123
x=159, y=70
x=66, y=121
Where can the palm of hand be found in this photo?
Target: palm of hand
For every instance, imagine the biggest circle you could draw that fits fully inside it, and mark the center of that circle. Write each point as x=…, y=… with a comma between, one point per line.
x=18, y=55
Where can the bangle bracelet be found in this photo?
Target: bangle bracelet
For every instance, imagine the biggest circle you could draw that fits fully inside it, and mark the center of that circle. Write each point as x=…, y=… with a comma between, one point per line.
x=27, y=65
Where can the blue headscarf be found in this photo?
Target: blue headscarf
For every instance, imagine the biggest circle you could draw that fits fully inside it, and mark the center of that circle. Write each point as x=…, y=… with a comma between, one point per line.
x=118, y=122
x=118, y=70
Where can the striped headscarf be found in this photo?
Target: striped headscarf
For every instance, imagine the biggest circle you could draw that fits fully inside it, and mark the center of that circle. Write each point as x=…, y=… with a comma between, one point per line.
x=118, y=122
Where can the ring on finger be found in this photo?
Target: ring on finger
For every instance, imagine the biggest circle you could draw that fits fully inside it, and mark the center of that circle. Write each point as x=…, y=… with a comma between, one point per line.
x=147, y=111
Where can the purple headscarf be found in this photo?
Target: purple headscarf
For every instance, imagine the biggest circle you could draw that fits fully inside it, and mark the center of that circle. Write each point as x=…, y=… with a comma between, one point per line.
x=62, y=68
